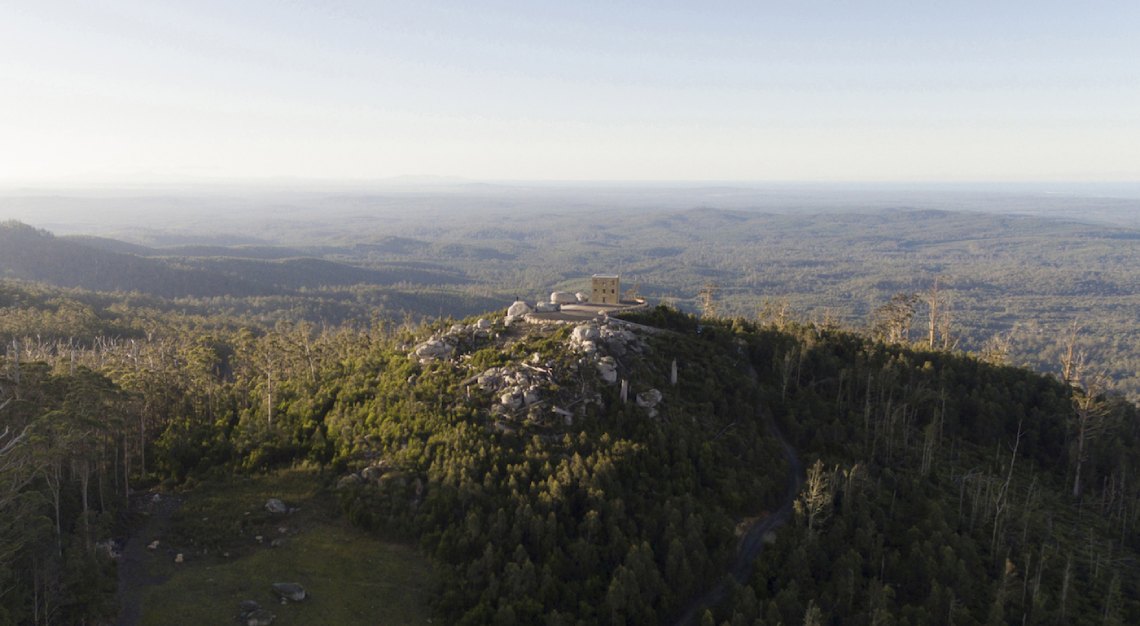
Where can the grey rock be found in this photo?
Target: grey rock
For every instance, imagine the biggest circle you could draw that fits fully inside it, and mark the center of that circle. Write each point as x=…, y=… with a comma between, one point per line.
x=511, y=399
x=582, y=334
x=289, y=591
x=347, y=481
x=518, y=309
x=273, y=505
x=607, y=369
x=371, y=472
x=259, y=617
x=434, y=349
x=530, y=396
x=648, y=399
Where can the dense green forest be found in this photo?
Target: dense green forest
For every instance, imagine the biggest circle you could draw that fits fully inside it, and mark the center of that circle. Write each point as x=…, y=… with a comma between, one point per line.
x=562, y=475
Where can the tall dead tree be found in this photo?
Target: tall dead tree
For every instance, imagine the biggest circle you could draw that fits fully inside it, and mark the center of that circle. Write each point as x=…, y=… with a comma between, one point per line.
x=1070, y=360
x=1091, y=414
x=815, y=502
x=707, y=297
x=932, y=301
x=997, y=349
x=892, y=321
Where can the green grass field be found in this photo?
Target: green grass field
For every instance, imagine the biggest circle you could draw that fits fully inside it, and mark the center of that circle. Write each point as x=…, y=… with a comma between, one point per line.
x=351, y=577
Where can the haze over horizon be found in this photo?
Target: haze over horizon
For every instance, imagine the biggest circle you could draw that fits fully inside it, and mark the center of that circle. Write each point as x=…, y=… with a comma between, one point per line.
x=133, y=92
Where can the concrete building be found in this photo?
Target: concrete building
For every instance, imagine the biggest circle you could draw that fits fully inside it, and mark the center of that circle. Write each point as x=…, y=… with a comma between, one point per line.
x=606, y=289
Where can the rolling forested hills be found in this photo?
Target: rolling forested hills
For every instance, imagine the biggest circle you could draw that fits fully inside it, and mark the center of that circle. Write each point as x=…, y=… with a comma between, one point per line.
x=912, y=415
x=1016, y=279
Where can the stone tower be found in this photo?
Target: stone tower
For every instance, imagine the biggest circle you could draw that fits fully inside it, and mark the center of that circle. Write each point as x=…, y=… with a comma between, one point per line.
x=606, y=289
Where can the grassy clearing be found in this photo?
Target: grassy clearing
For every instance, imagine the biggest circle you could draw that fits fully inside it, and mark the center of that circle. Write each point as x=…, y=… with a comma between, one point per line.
x=352, y=578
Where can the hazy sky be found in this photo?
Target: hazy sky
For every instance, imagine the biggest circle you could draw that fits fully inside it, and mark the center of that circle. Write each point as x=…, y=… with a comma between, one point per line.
x=151, y=91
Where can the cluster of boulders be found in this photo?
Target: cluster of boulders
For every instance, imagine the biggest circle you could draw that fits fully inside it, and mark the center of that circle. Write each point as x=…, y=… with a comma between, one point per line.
x=386, y=476
x=371, y=474
x=527, y=391
x=447, y=344
x=603, y=341
x=516, y=387
x=589, y=337
x=594, y=338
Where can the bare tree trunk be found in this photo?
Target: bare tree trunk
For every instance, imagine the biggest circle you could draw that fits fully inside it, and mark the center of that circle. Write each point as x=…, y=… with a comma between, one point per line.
x=84, y=482
x=999, y=505
x=54, y=477
x=932, y=299
x=1069, y=361
x=142, y=442
x=269, y=396
x=1091, y=417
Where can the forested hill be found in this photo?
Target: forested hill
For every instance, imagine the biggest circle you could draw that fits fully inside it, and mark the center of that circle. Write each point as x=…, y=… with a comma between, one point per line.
x=31, y=254
x=603, y=473
x=100, y=264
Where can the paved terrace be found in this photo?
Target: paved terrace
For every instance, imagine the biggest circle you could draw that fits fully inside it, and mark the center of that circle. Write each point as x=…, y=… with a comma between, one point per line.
x=583, y=311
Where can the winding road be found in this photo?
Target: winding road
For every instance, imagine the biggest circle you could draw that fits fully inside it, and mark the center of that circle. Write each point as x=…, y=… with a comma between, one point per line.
x=752, y=543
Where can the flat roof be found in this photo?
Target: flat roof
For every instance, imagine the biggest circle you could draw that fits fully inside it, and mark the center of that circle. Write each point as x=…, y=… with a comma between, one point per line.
x=606, y=276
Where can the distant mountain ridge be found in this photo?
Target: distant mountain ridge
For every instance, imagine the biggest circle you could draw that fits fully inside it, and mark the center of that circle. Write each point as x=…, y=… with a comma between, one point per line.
x=103, y=264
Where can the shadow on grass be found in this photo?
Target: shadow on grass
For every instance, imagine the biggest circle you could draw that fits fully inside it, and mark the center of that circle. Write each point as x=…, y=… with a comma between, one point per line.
x=234, y=550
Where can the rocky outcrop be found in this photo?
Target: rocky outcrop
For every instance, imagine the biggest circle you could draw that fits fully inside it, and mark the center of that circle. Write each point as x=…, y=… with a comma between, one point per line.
x=433, y=349
x=515, y=387
x=584, y=338
x=458, y=339
x=592, y=336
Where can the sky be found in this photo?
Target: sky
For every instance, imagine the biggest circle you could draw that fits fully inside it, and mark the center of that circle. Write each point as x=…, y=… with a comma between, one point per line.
x=150, y=91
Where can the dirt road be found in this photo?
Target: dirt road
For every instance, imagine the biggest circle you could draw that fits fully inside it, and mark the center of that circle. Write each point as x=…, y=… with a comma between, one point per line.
x=752, y=543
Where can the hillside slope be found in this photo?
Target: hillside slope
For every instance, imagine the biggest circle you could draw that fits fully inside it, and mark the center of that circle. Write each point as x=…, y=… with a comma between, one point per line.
x=30, y=254
x=611, y=472
x=933, y=490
